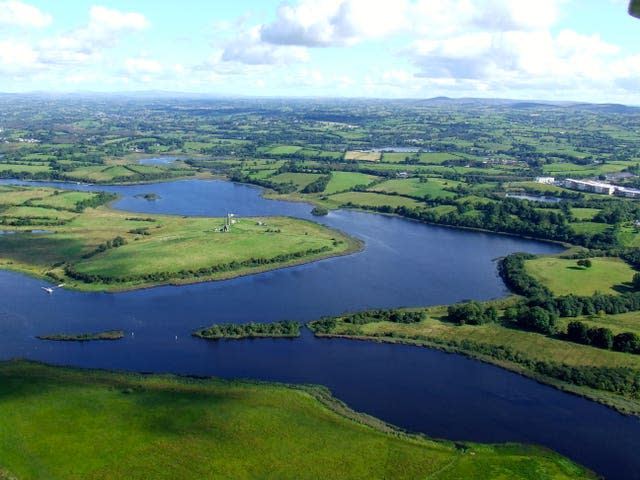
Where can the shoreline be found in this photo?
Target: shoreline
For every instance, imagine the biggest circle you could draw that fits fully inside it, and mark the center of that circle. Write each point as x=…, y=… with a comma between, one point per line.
x=598, y=396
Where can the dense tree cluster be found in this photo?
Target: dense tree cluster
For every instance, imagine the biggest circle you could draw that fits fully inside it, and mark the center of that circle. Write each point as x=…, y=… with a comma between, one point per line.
x=317, y=185
x=602, y=337
x=285, y=328
x=390, y=315
x=472, y=313
x=98, y=199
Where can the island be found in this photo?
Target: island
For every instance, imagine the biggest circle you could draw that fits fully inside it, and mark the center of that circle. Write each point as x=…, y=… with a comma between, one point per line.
x=233, y=429
x=238, y=331
x=97, y=248
x=83, y=337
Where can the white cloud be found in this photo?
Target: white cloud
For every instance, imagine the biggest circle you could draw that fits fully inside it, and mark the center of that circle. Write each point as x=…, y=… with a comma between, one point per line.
x=137, y=66
x=247, y=48
x=13, y=12
x=105, y=29
x=105, y=19
x=323, y=23
x=16, y=57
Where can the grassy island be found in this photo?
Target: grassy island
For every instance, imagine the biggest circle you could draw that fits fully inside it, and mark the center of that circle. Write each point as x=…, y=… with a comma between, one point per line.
x=100, y=248
x=238, y=331
x=84, y=337
x=151, y=426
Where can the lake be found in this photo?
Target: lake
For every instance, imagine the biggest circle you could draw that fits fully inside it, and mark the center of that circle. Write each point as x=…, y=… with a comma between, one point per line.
x=404, y=264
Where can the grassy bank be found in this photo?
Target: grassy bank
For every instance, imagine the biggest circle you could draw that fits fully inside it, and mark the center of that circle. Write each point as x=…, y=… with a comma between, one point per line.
x=104, y=249
x=67, y=423
x=522, y=351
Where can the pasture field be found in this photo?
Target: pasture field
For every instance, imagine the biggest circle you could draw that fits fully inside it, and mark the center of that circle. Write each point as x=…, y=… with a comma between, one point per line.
x=608, y=275
x=363, y=156
x=160, y=426
x=433, y=187
x=299, y=180
x=341, y=181
x=371, y=199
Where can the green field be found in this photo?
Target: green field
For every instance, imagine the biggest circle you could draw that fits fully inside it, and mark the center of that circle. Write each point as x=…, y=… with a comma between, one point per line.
x=341, y=181
x=299, y=180
x=563, y=276
x=60, y=423
x=433, y=187
x=166, y=249
x=371, y=199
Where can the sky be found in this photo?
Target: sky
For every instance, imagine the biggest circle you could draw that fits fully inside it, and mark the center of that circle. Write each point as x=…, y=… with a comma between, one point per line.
x=573, y=50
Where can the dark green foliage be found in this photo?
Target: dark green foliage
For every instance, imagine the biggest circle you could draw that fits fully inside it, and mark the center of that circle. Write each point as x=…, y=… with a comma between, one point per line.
x=584, y=262
x=636, y=281
x=285, y=328
x=319, y=211
x=103, y=247
x=324, y=325
x=514, y=275
x=600, y=337
x=391, y=315
x=473, y=313
x=318, y=185
x=140, y=231
x=100, y=198
x=537, y=319
x=627, y=342
x=578, y=332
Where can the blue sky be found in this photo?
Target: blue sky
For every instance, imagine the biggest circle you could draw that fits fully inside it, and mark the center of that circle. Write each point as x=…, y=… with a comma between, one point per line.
x=586, y=50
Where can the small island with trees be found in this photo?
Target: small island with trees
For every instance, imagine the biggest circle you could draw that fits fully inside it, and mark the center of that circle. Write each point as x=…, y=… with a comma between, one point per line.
x=239, y=331
x=83, y=337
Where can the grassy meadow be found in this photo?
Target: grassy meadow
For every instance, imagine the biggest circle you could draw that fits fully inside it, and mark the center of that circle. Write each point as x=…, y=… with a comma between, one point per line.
x=61, y=423
x=563, y=276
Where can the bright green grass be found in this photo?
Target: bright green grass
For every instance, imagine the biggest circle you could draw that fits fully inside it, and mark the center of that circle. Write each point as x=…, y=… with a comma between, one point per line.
x=61, y=423
x=34, y=212
x=284, y=149
x=584, y=213
x=67, y=200
x=563, y=276
x=261, y=174
x=573, y=169
x=371, y=199
x=341, y=181
x=589, y=227
x=300, y=180
x=174, y=244
x=9, y=167
x=396, y=157
x=434, y=187
x=437, y=157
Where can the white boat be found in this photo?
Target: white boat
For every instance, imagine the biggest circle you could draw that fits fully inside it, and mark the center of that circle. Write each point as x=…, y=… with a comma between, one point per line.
x=47, y=289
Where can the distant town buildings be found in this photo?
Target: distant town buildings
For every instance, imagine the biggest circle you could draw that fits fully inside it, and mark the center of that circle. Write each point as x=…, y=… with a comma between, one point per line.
x=546, y=180
x=600, y=187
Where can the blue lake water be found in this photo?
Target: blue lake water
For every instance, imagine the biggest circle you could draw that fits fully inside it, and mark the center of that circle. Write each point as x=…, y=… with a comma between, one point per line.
x=404, y=264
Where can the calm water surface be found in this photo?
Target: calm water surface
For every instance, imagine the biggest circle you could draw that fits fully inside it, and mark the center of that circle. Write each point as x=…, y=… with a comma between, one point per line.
x=404, y=264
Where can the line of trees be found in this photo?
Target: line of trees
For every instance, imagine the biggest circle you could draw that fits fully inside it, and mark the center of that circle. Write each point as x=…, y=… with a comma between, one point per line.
x=390, y=315
x=285, y=328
